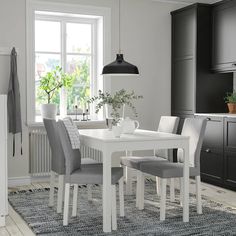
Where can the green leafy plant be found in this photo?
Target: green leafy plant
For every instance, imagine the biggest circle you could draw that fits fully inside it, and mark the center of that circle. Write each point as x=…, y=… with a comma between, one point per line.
x=230, y=97
x=116, y=101
x=53, y=80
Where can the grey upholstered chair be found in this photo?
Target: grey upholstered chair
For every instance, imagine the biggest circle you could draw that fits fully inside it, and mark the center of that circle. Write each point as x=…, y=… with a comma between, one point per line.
x=91, y=174
x=58, y=163
x=195, y=129
x=167, y=124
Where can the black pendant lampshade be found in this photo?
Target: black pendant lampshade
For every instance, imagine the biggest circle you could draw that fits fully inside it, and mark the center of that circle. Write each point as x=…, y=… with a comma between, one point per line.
x=120, y=67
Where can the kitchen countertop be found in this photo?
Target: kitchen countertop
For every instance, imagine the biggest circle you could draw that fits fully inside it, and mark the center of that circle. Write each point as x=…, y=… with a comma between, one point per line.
x=216, y=114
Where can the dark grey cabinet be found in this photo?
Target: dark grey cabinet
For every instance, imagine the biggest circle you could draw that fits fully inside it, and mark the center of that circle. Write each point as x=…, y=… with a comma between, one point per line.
x=218, y=154
x=230, y=152
x=194, y=88
x=224, y=36
x=212, y=155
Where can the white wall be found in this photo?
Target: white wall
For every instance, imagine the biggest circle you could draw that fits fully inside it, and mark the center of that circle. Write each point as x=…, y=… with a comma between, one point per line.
x=145, y=41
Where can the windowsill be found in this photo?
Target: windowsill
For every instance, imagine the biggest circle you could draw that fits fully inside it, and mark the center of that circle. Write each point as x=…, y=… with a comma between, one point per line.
x=90, y=124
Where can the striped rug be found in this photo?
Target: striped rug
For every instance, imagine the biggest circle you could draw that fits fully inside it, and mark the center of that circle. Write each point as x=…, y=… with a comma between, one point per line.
x=32, y=205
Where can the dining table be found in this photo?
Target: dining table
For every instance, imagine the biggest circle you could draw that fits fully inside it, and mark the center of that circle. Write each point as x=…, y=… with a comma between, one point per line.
x=104, y=141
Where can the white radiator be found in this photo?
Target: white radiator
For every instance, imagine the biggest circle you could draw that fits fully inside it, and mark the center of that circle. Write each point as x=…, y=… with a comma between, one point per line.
x=40, y=152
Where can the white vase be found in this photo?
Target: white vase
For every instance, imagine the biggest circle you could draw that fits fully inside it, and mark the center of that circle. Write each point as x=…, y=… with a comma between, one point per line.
x=108, y=116
x=116, y=129
x=49, y=111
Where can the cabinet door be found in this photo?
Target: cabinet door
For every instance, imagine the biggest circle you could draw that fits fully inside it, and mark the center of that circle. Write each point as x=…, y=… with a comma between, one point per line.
x=212, y=165
x=224, y=36
x=230, y=152
x=182, y=87
x=229, y=170
x=184, y=33
x=212, y=156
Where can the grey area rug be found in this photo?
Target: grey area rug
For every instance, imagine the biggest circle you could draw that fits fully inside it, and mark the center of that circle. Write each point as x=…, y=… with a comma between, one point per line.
x=32, y=205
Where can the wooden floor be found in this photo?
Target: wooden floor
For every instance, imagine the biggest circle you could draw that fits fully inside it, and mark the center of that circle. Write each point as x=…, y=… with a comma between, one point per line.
x=16, y=226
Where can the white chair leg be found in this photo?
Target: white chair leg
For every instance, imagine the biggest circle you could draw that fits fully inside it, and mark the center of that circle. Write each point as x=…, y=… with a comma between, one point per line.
x=163, y=200
x=75, y=200
x=181, y=184
x=121, y=197
x=198, y=194
x=172, y=189
x=140, y=180
x=60, y=193
x=128, y=181
x=52, y=185
x=158, y=187
x=113, y=207
x=137, y=191
x=89, y=192
x=66, y=205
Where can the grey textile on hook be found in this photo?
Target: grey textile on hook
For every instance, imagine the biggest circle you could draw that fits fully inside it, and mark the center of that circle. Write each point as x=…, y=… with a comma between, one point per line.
x=13, y=101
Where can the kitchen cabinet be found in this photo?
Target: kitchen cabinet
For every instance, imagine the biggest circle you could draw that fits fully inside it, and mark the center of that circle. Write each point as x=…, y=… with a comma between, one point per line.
x=230, y=152
x=212, y=155
x=218, y=154
x=194, y=88
x=224, y=36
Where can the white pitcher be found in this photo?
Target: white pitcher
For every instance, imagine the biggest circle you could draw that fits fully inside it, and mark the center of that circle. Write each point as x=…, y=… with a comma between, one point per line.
x=129, y=126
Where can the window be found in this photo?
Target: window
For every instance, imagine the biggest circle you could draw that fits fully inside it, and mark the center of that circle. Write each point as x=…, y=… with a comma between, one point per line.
x=75, y=42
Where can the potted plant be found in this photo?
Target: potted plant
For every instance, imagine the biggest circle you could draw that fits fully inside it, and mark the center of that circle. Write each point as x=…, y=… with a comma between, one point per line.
x=50, y=84
x=230, y=99
x=115, y=104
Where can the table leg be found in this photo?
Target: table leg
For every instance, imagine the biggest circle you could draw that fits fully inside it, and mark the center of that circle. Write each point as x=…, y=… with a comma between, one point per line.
x=186, y=183
x=106, y=191
x=129, y=177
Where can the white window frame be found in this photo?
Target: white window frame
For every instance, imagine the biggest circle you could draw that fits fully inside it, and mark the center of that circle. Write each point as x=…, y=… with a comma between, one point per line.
x=103, y=18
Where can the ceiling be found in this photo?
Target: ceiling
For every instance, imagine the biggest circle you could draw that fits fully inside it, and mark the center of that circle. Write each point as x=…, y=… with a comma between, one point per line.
x=186, y=2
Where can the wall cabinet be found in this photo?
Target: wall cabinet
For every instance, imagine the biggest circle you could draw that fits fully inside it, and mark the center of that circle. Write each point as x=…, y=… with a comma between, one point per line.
x=224, y=36
x=194, y=87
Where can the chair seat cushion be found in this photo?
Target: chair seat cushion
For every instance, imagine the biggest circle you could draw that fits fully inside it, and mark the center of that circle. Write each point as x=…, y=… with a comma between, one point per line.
x=166, y=169
x=135, y=162
x=93, y=175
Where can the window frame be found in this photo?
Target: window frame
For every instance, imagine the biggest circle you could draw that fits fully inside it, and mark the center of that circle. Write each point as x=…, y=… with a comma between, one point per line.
x=101, y=17
x=64, y=20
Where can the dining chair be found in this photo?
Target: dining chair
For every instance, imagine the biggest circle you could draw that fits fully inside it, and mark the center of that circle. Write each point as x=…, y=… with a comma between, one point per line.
x=76, y=174
x=58, y=164
x=195, y=129
x=167, y=124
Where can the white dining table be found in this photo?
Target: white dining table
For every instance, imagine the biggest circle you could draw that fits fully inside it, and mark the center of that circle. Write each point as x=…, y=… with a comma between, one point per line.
x=104, y=140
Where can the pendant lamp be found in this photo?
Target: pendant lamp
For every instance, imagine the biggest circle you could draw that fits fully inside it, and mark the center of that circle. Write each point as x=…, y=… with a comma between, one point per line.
x=120, y=66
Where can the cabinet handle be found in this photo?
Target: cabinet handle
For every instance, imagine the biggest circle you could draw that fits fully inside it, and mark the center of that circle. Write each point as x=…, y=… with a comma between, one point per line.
x=208, y=150
x=208, y=118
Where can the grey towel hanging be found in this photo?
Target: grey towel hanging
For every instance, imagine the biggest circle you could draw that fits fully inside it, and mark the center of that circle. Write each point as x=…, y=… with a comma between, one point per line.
x=13, y=101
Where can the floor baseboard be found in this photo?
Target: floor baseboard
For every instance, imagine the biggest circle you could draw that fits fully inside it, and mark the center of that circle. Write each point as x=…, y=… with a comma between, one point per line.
x=19, y=181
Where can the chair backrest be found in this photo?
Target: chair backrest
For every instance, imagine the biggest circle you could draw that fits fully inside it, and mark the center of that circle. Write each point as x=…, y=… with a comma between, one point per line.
x=167, y=124
x=195, y=129
x=58, y=160
x=72, y=156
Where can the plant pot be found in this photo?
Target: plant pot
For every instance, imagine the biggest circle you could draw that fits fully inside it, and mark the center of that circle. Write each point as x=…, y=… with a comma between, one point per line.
x=116, y=129
x=49, y=111
x=232, y=108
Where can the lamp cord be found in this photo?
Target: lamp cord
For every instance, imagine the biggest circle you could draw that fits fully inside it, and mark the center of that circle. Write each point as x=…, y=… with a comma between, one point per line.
x=119, y=26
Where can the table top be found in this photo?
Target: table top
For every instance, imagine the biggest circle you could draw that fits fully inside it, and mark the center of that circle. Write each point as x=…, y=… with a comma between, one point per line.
x=106, y=135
